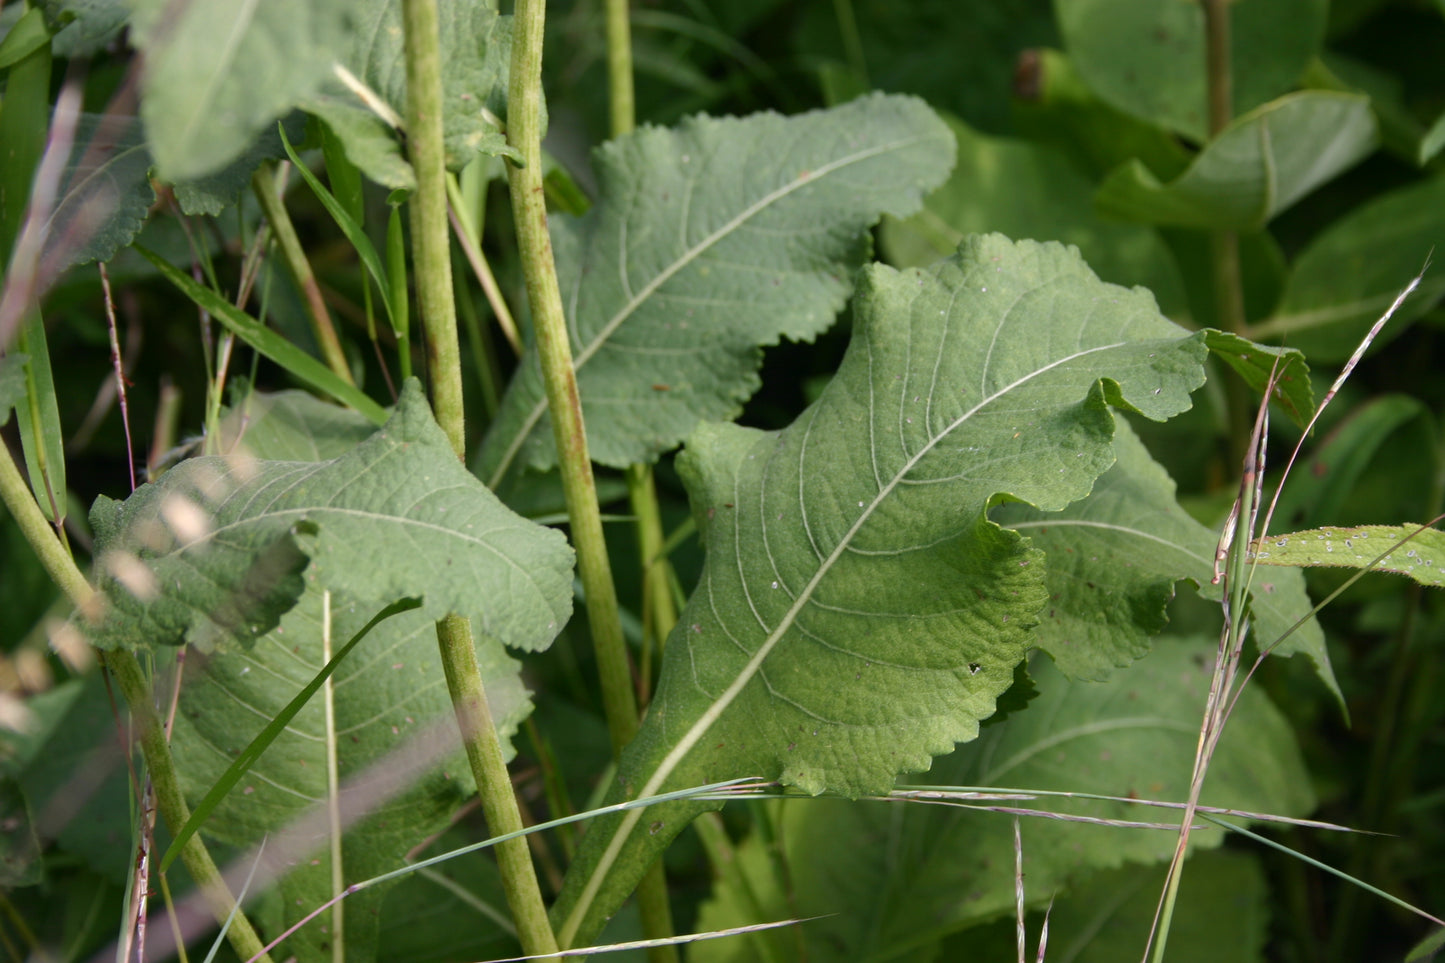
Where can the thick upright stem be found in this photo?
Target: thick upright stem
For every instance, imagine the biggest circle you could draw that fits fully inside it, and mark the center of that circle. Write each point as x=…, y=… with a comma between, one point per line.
x=529, y=209
x=431, y=257
x=263, y=185
x=133, y=686
x=619, y=67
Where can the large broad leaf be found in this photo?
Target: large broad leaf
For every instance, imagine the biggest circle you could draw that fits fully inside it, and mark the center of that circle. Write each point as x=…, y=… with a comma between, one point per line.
x=104, y=197
x=1025, y=190
x=858, y=613
x=217, y=73
x=1113, y=559
x=907, y=874
x=475, y=53
x=1147, y=58
x=1259, y=165
x=387, y=692
x=214, y=551
x=706, y=242
x=1351, y=272
x=388, y=705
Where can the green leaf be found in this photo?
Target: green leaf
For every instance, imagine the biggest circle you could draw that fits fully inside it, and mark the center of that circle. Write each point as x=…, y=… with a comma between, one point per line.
x=300, y=364
x=1258, y=364
x=24, y=124
x=244, y=760
x=889, y=879
x=706, y=242
x=1147, y=58
x=215, y=192
x=1024, y=190
x=367, y=140
x=214, y=550
x=28, y=36
x=1350, y=273
x=38, y=418
x=857, y=612
x=12, y=384
x=1407, y=550
x=1113, y=560
x=292, y=426
x=85, y=27
x=1259, y=165
x=475, y=51
x=105, y=194
x=390, y=708
x=218, y=73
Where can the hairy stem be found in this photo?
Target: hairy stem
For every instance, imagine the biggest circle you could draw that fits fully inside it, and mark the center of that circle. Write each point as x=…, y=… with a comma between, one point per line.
x=132, y=682
x=263, y=185
x=431, y=257
x=529, y=209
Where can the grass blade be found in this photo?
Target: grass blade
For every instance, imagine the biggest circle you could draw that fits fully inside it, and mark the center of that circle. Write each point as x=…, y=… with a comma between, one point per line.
x=252, y=752
x=306, y=368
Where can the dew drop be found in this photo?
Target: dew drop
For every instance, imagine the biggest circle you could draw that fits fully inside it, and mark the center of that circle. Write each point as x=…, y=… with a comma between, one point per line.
x=775, y=583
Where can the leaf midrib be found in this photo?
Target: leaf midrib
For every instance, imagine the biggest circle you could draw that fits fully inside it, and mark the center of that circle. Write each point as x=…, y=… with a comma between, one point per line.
x=720, y=705
x=692, y=254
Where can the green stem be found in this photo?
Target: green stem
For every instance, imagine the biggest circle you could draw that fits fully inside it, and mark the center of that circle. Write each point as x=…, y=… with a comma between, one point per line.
x=494, y=786
x=263, y=185
x=619, y=68
x=129, y=676
x=529, y=209
x=431, y=256
x=656, y=577
x=433, y=272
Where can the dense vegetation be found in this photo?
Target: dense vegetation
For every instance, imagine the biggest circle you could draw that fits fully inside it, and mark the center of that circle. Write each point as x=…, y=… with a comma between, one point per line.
x=830, y=428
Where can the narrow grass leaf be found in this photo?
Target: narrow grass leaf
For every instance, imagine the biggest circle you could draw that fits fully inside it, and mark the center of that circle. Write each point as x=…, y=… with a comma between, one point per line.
x=39, y=421
x=270, y=344
x=242, y=764
x=1409, y=550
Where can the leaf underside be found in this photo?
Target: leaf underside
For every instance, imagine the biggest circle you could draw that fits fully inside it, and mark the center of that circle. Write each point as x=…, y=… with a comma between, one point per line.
x=705, y=243
x=858, y=612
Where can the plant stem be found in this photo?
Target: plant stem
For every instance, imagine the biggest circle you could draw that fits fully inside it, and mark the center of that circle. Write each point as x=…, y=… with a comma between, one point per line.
x=1224, y=245
x=433, y=269
x=131, y=678
x=619, y=67
x=529, y=209
x=653, y=903
x=263, y=185
x=494, y=786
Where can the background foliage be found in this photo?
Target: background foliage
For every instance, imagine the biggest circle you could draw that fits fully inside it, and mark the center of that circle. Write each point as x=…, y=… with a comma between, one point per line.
x=713, y=269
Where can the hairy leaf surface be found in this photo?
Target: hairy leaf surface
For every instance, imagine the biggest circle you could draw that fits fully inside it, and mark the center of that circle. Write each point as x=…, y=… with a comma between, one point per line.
x=217, y=72
x=910, y=873
x=858, y=613
x=706, y=242
x=1407, y=549
x=1113, y=559
x=214, y=551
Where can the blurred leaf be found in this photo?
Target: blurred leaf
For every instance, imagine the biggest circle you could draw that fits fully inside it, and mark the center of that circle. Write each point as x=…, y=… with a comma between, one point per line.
x=28, y=36
x=706, y=242
x=214, y=551
x=858, y=613
x=105, y=193
x=24, y=122
x=1321, y=483
x=1027, y=191
x=957, y=56
x=215, y=192
x=911, y=873
x=1433, y=140
x=1422, y=557
x=1109, y=917
x=218, y=73
x=1347, y=277
x=1147, y=57
x=1113, y=560
x=12, y=384
x=83, y=28
x=292, y=426
x=1259, y=165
